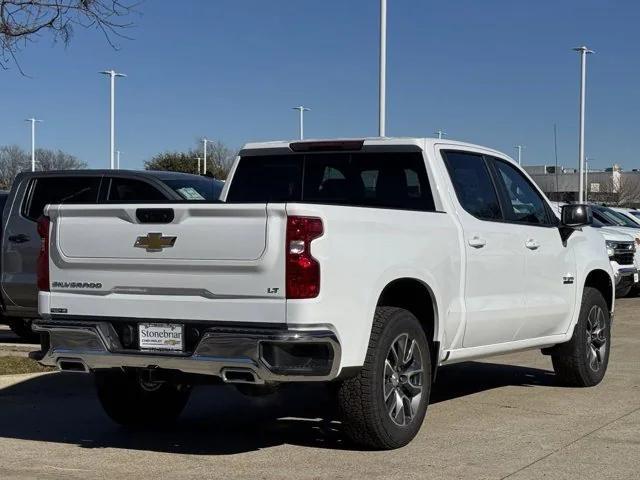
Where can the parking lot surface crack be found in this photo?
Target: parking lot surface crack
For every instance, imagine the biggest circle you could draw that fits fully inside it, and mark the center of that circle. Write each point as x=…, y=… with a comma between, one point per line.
x=571, y=443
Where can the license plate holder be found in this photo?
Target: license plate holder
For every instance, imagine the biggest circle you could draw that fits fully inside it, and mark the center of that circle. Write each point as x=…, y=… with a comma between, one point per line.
x=165, y=337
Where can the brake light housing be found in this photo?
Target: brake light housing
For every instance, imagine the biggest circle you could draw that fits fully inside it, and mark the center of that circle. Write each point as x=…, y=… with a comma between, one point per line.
x=302, y=269
x=42, y=267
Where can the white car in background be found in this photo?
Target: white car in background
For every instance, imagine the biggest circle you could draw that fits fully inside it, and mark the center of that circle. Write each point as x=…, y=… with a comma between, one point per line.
x=622, y=242
x=629, y=213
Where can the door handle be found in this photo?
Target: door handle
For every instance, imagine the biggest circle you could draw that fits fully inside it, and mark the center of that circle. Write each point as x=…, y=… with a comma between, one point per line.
x=531, y=244
x=20, y=238
x=477, y=242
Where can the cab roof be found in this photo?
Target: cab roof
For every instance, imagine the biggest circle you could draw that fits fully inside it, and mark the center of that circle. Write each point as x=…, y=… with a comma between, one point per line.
x=418, y=142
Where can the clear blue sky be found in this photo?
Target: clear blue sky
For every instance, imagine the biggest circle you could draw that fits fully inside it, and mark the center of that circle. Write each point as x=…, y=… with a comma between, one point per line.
x=494, y=72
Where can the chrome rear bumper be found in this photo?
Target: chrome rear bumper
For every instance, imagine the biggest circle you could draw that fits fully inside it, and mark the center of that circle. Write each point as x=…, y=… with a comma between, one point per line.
x=227, y=353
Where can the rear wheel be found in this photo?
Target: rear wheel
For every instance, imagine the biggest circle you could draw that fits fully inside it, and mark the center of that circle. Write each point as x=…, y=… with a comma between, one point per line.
x=582, y=362
x=22, y=328
x=384, y=405
x=131, y=401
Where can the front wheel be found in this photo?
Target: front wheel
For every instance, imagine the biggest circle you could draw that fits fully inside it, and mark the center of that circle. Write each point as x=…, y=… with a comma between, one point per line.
x=384, y=405
x=582, y=362
x=133, y=402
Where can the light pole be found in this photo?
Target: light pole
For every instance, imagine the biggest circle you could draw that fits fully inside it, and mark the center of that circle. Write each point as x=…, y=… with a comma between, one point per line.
x=584, y=51
x=440, y=133
x=383, y=70
x=113, y=74
x=519, y=149
x=204, y=151
x=118, y=159
x=301, y=109
x=198, y=158
x=33, y=141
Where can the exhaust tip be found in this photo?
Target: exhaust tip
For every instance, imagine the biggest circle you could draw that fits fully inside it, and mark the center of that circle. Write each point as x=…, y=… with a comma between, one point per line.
x=72, y=365
x=239, y=375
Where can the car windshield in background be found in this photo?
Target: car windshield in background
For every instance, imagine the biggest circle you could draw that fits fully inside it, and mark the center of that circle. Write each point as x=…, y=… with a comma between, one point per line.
x=629, y=222
x=203, y=189
x=385, y=180
x=612, y=217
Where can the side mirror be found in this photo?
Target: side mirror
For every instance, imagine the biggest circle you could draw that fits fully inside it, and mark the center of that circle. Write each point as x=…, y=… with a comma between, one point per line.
x=576, y=215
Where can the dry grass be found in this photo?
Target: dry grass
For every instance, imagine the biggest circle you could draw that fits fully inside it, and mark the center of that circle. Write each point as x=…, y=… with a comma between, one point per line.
x=12, y=365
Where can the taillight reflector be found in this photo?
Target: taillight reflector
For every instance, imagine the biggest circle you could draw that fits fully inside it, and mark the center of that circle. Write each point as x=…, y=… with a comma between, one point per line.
x=303, y=271
x=42, y=268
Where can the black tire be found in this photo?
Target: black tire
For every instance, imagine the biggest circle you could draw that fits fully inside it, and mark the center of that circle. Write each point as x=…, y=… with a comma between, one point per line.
x=582, y=362
x=132, y=403
x=366, y=414
x=22, y=328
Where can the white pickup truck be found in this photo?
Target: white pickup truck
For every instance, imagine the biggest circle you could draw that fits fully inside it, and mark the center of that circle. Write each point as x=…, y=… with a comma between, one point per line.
x=366, y=264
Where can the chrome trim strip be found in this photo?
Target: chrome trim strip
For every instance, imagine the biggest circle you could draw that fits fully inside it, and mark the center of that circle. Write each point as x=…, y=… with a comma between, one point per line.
x=97, y=345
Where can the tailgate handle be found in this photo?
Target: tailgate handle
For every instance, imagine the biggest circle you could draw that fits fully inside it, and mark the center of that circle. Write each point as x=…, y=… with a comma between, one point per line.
x=155, y=215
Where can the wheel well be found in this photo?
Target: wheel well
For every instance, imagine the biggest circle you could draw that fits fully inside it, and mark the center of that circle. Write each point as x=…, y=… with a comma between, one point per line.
x=600, y=280
x=416, y=297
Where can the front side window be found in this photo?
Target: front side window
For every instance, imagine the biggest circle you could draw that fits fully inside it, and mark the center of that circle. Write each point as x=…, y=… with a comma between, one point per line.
x=201, y=189
x=55, y=190
x=128, y=190
x=473, y=185
x=524, y=203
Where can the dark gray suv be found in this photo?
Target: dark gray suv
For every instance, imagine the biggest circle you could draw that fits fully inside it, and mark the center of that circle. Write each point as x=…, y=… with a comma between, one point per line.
x=32, y=191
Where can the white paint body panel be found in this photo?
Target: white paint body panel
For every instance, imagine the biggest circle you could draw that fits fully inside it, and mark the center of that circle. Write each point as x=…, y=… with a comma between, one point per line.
x=226, y=257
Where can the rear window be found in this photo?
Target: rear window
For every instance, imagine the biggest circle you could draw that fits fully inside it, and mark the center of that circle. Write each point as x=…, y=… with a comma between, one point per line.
x=69, y=190
x=384, y=180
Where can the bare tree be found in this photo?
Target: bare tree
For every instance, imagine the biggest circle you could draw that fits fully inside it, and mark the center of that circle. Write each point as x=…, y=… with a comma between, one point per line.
x=219, y=159
x=22, y=21
x=13, y=160
x=619, y=189
x=57, y=160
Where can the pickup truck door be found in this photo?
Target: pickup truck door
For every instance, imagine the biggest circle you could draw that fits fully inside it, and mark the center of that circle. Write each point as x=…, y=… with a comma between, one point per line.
x=550, y=267
x=495, y=256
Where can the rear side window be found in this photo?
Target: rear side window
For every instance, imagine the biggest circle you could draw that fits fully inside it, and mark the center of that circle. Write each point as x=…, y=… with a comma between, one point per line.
x=473, y=185
x=384, y=180
x=55, y=190
x=128, y=190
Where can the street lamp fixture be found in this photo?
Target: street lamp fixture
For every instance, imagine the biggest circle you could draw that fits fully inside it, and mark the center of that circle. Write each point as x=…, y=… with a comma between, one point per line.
x=112, y=75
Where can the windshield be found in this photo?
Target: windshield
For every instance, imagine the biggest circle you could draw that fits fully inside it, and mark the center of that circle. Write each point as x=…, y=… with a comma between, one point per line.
x=607, y=217
x=199, y=189
x=617, y=218
x=629, y=222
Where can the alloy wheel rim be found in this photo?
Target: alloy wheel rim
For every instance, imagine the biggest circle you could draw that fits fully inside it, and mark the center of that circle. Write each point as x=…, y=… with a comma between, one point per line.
x=403, y=377
x=596, y=339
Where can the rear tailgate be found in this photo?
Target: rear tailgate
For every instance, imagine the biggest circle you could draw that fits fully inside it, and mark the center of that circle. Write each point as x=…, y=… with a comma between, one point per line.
x=215, y=262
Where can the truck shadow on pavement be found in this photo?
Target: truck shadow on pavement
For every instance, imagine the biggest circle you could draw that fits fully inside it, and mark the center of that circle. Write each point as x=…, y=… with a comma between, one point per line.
x=63, y=408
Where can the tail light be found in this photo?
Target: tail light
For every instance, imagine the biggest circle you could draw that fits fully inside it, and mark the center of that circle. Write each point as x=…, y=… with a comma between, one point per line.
x=303, y=271
x=42, y=269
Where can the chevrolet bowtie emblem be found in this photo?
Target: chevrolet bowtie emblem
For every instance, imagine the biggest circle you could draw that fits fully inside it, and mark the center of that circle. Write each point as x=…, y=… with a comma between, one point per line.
x=155, y=242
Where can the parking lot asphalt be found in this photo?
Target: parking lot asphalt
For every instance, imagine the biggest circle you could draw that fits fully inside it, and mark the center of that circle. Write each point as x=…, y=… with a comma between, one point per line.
x=503, y=417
